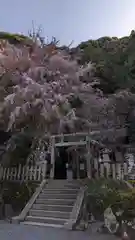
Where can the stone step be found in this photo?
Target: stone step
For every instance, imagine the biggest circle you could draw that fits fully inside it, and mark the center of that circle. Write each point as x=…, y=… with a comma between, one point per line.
x=54, y=214
x=60, y=208
x=41, y=200
x=65, y=184
x=41, y=224
x=60, y=186
x=64, y=181
x=49, y=220
x=61, y=191
x=59, y=196
x=69, y=202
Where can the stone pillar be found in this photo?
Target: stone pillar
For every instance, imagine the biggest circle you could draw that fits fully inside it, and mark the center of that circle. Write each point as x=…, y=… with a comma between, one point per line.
x=89, y=156
x=96, y=167
x=107, y=163
x=52, y=157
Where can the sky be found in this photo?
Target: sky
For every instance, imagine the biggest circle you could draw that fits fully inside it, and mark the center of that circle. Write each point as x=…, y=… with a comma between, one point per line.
x=67, y=20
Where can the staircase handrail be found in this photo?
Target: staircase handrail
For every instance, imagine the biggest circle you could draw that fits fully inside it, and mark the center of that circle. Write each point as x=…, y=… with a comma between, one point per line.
x=71, y=224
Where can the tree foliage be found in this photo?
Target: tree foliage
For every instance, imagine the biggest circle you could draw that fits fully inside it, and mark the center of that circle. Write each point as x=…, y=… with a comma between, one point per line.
x=54, y=89
x=45, y=89
x=114, y=58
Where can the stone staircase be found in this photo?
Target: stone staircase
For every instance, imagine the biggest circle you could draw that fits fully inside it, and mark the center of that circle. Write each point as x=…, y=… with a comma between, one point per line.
x=54, y=205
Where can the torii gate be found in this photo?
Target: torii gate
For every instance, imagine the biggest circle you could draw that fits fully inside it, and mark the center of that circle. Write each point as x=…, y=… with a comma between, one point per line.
x=76, y=139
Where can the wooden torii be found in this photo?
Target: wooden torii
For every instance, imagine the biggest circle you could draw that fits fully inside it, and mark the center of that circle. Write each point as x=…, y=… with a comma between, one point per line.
x=75, y=139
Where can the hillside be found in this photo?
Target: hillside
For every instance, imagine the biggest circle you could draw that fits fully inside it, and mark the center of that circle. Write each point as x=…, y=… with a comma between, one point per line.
x=114, y=58
x=48, y=88
x=15, y=38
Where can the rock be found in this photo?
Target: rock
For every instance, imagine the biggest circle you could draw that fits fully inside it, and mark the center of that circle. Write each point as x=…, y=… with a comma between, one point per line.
x=125, y=236
x=82, y=226
x=110, y=221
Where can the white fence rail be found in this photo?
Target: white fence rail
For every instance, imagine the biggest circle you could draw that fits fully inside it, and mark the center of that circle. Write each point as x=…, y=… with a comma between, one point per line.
x=111, y=170
x=23, y=173
x=38, y=173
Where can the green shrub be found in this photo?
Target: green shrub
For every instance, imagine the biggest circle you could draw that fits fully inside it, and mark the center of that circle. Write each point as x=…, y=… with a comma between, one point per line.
x=18, y=194
x=14, y=38
x=103, y=193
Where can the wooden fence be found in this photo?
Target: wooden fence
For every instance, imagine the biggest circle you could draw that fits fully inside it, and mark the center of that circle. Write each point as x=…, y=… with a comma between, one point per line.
x=111, y=170
x=38, y=173
x=23, y=173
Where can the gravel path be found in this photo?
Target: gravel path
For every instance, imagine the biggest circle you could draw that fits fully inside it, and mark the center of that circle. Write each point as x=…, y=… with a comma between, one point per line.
x=23, y=232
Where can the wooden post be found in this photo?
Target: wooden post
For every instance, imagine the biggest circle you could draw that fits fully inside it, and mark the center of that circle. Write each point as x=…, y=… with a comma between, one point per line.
x=44, y=170
x=114, y=171
x=52, y=157
x=118, y=171
x=88, y=157
x=102, y=169
x=125, y=169
x=107, y=169
x=96, y=167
